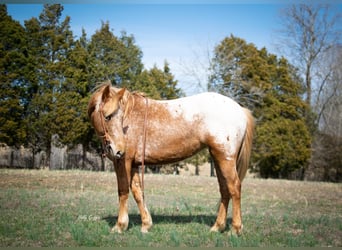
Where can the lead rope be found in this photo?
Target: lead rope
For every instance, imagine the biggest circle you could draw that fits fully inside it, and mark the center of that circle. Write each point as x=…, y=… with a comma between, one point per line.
x=105, y=136
x=143, y=150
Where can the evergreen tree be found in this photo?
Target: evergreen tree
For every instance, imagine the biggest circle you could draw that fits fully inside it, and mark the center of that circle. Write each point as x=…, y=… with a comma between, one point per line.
x=113, y=58
x=12, y=95
x=283, y=141
x=78, y=86
x=50, y=42
x=272, y=89
x=47, y=78
x=158, y=84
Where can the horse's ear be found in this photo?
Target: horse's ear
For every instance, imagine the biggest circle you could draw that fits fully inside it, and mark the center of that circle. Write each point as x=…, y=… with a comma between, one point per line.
x=121, y=93
x=106, y=94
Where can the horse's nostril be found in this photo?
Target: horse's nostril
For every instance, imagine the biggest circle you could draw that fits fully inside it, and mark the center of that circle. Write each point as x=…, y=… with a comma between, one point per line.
x=108, y=147
x=119, y=154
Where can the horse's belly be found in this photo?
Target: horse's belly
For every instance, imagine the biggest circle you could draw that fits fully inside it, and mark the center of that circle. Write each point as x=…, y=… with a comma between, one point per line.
x=172, y=149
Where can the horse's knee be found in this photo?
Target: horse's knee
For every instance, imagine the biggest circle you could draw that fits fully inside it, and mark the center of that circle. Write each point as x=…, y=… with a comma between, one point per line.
x=234, y=191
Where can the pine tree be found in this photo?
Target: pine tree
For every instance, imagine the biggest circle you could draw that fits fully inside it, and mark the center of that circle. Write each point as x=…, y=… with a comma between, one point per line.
x=283, y=140
x=114, y=58
x=158, y=84
x=12, y=95
x=50, y=41
x=47, y=78
x=78, y=85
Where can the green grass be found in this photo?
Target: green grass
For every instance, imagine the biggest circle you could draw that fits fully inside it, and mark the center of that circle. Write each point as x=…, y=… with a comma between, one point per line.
x=74, y=208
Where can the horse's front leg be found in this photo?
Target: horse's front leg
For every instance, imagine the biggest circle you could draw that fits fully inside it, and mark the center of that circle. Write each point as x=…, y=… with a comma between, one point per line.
x=146, y=219
x=123, y=171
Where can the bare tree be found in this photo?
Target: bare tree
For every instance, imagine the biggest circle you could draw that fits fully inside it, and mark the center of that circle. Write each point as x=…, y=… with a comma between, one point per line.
x=195, y=69
x=311, y=38
x=309, y=32
x=329, y=97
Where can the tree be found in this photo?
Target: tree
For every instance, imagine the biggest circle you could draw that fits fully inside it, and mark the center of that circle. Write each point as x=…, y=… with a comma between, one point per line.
x=13, y=51
x=47, y=78
x=283, y=141
x=158, y=84
x=50, y=41
x=326, y=162
x=239, y=71
x=310, y=31
x=312, y=39
x=328, y=101
x=72, y=119
x=271, y=88
x=117, y=59
x=77, y=88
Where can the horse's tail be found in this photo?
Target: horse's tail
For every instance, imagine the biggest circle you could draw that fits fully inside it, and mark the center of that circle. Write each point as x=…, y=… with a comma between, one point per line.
x=246, y=146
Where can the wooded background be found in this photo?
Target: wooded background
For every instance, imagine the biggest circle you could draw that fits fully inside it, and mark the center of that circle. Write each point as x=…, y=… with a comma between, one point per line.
x=47, y=76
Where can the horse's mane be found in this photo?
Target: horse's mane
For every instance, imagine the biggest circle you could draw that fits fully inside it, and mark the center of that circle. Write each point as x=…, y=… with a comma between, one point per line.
x=94, y=99
x=128, y=100
x=100, y=86
x=124, y=102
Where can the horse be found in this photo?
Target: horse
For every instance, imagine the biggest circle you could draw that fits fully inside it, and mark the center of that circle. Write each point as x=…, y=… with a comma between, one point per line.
x=135, y=130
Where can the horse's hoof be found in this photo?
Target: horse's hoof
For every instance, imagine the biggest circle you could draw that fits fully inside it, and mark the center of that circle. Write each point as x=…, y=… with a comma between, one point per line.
x=116, y=229
x=217, y=228
x=236, y=231
x=146, y=226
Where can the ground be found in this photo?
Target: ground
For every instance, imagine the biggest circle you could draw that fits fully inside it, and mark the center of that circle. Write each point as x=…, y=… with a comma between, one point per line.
x=78, y=208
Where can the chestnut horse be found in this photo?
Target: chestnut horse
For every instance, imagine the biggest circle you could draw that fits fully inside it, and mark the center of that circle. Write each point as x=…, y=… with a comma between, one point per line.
x=173, y=130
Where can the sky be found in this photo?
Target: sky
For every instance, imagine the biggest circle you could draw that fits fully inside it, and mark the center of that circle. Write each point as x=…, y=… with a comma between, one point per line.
x=181, y=34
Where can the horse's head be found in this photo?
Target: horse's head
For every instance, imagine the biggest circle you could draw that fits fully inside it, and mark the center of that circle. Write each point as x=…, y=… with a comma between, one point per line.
x=107, y=117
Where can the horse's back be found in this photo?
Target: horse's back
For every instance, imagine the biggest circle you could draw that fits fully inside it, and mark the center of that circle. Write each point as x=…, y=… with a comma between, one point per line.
x=219, y=119
x=209, y=106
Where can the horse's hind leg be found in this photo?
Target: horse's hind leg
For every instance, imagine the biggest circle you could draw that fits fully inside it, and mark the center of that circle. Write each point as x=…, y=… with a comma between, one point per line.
x=230, y=187
x=139, y=198
x=220, y=223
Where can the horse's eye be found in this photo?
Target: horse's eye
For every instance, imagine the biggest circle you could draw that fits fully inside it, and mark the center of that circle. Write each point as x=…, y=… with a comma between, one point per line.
x=108, y=118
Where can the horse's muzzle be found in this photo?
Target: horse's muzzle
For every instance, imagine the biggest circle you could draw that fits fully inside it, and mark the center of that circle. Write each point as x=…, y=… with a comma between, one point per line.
x=119, y=155
x=111, y=153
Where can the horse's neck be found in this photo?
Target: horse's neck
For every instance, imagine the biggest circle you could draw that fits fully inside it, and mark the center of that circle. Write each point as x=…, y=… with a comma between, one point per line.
x=135, y=106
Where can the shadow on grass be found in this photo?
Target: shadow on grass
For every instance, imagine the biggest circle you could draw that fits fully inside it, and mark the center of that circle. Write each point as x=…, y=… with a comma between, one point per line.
x=135, y=219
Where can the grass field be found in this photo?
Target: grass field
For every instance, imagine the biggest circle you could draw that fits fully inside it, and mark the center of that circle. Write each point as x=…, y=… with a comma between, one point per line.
x=75, y=208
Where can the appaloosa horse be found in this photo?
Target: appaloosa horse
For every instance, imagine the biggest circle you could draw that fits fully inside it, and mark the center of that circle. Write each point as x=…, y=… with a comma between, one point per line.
x=135, y=129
